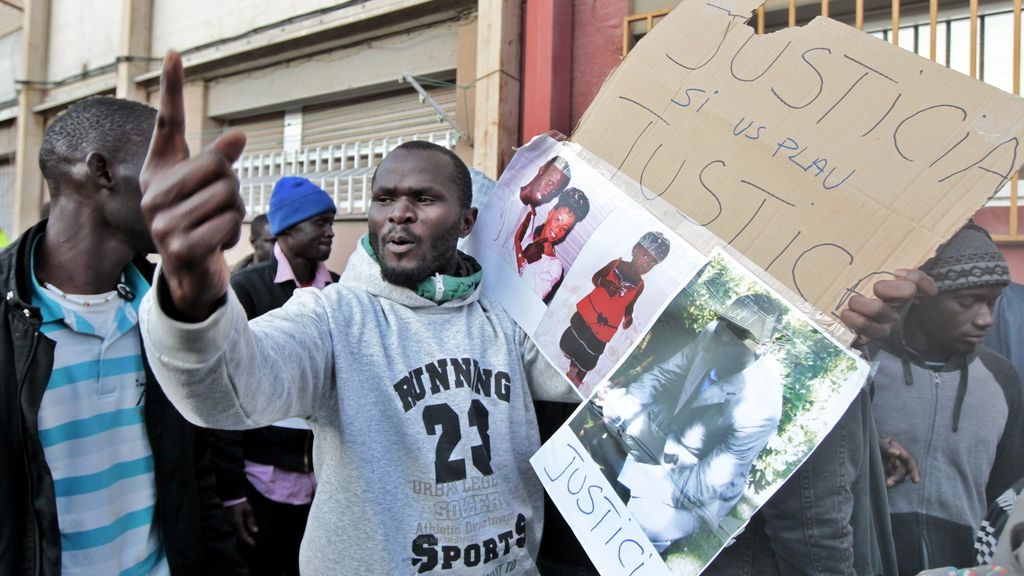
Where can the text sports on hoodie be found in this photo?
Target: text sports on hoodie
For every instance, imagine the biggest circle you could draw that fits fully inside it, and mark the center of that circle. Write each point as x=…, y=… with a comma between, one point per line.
x=422, y=415
x=963, y=424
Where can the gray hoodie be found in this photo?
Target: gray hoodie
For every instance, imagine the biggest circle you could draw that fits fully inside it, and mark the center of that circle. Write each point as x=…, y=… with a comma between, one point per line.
x=962, y=422
x=422, y=415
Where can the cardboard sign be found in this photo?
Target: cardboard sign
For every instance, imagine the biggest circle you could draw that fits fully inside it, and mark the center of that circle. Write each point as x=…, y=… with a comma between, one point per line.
x=823, y=154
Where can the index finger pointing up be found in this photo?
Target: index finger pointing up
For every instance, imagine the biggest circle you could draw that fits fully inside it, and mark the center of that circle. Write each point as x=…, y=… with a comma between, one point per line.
x=168, y=146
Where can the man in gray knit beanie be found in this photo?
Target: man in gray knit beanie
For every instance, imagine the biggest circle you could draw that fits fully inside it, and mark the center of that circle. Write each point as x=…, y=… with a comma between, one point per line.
x=969, y=259
x=953, y=403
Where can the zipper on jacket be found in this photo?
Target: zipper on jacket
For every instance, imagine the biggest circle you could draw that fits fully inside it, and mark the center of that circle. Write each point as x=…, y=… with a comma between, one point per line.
x=36, y=541
x=36, y=536
x=927, y=453
x=305, y=453
x=28, y=361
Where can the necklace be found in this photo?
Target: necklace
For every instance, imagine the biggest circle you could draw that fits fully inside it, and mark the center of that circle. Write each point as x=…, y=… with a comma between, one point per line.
x=83, y=301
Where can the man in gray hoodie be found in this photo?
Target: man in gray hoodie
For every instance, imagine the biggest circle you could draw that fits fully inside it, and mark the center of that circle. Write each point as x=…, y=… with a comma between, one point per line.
x=417, y=388
x=953, y=403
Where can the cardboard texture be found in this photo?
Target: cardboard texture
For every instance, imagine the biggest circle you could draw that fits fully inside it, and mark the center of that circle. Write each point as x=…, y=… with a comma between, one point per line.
x=826, y=156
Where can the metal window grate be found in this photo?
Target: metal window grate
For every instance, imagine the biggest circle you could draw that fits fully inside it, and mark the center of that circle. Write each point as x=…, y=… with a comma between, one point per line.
x=343, y=170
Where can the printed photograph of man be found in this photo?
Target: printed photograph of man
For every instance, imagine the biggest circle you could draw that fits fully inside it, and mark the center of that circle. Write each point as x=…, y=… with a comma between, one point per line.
x=693, y=425
x=725, y=395
x=535, y=224
x=550, y=180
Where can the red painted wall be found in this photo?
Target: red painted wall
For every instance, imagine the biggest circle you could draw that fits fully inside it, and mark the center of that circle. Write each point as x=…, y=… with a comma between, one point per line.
x=547, y=68
x=596, y=48
x=997, y=221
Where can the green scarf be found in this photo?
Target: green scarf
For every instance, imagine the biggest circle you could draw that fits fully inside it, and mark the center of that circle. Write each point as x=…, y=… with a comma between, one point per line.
x=442, y=288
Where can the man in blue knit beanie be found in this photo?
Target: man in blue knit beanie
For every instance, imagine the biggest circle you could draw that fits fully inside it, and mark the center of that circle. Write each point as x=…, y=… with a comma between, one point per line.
x=265, y=476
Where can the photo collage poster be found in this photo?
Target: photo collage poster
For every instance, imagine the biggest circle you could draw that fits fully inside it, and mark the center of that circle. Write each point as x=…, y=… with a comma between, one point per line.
x=703, y=389
x=583, y=269
x=725, y=396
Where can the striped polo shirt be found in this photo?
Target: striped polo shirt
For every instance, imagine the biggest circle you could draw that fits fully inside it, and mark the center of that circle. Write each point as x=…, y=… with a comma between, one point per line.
x=93, y=435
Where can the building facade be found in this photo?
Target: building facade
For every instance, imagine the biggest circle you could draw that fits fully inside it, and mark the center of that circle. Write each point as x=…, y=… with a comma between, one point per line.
x=324, y=88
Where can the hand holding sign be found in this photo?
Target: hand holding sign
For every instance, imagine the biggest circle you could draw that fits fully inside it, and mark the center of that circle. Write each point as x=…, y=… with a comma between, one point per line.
x=874, y=318
x=192, y=205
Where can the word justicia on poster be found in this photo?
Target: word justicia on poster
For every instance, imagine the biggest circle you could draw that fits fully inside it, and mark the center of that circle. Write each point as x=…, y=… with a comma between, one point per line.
x=826, y=156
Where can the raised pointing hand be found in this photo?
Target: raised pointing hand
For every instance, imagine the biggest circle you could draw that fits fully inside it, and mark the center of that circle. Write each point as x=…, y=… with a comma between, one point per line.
x=192, y=205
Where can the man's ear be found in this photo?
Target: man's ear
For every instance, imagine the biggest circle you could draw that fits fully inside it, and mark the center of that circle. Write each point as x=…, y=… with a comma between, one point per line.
x=468, y=221
x=99, y=170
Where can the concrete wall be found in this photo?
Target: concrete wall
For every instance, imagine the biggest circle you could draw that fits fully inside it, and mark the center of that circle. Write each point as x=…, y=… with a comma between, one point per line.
x=996, y=219
x=181, y=24
x=83, y=34
x=328, y=75
x=8, y=137
x=10, y=62
x=243, y=58
x=645, y=6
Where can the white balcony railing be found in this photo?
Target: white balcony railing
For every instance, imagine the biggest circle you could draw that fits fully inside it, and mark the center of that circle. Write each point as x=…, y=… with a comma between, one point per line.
x=343, y=171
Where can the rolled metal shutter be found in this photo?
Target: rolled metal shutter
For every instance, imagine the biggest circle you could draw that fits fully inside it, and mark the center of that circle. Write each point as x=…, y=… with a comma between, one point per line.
x=264, y=133
x=388, y=116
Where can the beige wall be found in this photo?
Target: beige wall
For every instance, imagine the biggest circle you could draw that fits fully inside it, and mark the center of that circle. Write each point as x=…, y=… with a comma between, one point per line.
x=8, y=137
x=10, y=19
x=242, y=76
x=318, y=78
x=180, y=24
x=83, y=34
x=644, y=6
x=10, y=62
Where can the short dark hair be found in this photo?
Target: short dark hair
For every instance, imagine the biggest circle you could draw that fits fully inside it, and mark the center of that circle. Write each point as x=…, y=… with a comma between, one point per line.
x=573, y=200
x=576, y=201
x=261, y=221
x=463, y=180
x=112, y=126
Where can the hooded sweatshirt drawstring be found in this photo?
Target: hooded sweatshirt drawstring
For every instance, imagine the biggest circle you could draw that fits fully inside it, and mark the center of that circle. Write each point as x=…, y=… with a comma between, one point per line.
x=902, y=351
x=961, y=393
x=908, y=375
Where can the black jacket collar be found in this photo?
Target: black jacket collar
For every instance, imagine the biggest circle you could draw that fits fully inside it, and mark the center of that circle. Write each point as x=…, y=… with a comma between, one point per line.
x=16, y=262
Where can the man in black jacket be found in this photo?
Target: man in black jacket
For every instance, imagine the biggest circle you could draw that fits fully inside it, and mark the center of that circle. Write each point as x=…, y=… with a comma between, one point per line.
x=101, y=473
x=262, y=243
x=265, y=476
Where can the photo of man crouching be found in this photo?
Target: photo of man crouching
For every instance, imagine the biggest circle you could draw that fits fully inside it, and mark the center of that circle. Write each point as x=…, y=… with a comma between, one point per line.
x=680, y=439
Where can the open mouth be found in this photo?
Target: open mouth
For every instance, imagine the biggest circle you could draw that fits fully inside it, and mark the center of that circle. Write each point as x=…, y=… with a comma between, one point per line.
x=400, y=244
